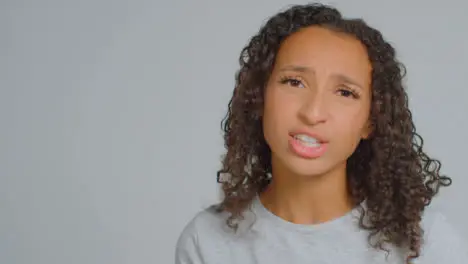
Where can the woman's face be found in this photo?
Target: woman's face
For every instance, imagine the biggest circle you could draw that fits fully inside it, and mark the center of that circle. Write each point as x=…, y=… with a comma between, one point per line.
x=317, y=101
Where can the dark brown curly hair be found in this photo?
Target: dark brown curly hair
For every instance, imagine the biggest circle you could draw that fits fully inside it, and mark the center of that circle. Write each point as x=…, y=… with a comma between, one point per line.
x=390, y=170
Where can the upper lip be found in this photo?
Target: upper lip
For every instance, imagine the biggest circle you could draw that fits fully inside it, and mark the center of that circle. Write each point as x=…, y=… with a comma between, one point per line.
x=310, y=134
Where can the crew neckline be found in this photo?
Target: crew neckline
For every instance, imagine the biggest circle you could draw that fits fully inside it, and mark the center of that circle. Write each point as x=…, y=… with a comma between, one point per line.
x=338, y=222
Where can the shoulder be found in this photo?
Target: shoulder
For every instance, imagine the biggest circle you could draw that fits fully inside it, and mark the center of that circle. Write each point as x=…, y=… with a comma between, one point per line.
x=442, y=242
x=205, y=227
x=206, y=219
x=437, y=227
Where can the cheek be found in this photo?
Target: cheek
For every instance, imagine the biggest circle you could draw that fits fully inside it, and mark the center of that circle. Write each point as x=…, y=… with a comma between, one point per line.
x=351, y=127
x=278, y=112
x=268, y=119
x=346, y=139
x=280, y=107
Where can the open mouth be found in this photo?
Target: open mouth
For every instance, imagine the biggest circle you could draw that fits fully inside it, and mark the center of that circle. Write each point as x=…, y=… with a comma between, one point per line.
x=307, y=141
x=307, y=146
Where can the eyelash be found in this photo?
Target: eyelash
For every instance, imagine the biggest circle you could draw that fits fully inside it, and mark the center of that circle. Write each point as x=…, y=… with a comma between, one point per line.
x=351, y=92
x=289, y=80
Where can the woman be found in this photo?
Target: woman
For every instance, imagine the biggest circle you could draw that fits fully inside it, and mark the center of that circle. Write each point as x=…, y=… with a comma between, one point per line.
x=323, y=162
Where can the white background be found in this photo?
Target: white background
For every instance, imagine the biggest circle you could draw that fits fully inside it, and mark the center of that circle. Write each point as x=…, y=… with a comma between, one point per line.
x=110, y=115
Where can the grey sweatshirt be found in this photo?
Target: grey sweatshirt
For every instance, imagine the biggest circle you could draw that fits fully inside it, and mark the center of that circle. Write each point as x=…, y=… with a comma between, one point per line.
x=263, y=237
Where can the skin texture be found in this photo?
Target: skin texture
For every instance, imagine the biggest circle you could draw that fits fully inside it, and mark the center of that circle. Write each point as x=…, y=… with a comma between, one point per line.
x=374, y=154
x=320, y=84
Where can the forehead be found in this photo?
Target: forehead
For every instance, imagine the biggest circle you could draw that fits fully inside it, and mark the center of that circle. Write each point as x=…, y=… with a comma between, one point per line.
x=326, y=50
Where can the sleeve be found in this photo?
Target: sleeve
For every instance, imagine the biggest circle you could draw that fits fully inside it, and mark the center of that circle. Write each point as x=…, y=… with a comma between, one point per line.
x=443, y=244
x=187, y=250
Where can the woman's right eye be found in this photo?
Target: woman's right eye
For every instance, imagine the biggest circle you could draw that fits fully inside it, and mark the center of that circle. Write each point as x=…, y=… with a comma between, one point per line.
x=292, y=82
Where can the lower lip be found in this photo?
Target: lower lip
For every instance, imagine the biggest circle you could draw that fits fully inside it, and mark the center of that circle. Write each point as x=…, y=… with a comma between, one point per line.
x=306, y=151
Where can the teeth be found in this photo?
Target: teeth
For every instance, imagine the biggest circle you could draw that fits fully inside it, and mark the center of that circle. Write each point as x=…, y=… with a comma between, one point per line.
x=308, y=141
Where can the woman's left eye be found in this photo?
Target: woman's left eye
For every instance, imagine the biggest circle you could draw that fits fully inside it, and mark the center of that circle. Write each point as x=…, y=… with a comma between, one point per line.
x=295, y=82
x=348, y=93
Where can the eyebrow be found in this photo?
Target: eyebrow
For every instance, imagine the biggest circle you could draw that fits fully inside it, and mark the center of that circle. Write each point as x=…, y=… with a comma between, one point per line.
x=296, y=68
x=305, y=69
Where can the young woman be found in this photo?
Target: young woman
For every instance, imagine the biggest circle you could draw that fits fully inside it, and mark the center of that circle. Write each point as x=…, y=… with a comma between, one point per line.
x=323, y=162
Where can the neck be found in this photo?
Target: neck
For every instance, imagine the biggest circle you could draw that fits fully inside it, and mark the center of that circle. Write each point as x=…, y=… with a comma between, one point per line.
x=308, y=200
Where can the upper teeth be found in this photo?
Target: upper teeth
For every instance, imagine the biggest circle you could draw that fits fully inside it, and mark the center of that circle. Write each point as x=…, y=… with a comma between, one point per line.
x=306, y=139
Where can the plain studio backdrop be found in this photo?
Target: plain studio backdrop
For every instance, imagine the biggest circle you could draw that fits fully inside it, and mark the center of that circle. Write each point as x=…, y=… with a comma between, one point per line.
x=110, y=115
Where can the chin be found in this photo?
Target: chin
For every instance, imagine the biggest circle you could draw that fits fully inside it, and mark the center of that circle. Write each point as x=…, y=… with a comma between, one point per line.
x=309, y=168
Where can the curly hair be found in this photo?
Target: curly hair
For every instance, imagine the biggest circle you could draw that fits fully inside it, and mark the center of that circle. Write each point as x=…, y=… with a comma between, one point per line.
x=390, y=170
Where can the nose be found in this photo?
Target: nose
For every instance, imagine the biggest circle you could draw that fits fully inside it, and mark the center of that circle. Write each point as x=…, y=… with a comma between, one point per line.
x=314, y=109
